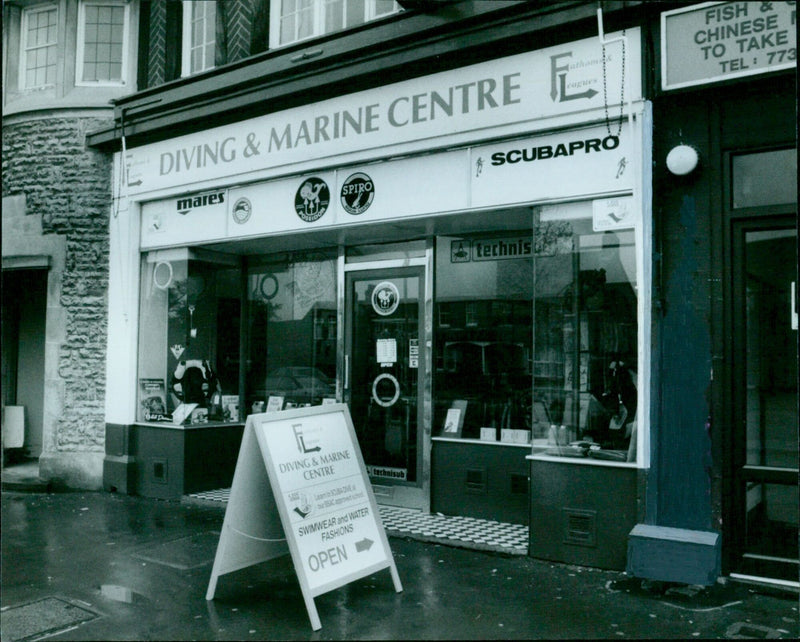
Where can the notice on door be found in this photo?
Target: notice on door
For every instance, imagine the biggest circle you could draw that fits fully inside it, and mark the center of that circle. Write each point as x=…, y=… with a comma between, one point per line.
x=323, y=497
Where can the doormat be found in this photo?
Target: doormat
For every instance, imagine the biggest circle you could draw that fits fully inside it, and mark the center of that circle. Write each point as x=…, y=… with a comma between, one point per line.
x=184, y=553
x=43, y=617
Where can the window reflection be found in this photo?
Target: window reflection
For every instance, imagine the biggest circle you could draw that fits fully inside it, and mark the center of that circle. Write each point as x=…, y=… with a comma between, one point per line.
x=292, y=331
x=585, y=338
x=483, y=335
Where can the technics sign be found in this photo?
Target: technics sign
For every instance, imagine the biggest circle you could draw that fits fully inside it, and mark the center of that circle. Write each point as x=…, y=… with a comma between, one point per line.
x=323, y=497
x=452, y=106
x=721, y=40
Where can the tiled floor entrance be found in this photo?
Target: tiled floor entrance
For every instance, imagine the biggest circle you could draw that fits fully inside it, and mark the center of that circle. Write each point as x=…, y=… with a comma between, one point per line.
x=466, y=532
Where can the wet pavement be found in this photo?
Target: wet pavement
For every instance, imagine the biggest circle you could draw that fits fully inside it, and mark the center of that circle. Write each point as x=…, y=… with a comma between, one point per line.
x=102, y=566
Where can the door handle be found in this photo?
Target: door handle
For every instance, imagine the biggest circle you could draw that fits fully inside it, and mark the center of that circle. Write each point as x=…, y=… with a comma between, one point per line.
x=346, y=371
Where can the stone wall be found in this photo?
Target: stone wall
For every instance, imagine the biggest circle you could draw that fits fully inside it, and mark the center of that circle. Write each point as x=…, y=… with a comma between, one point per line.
x=67, y=191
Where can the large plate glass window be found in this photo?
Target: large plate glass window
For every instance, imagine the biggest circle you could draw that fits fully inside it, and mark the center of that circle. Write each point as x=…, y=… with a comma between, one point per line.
x=102, y=46
x=294, y=20
x=585, y=336
x=483, y=337
x=39, y=47
x=292, y=326
x=189, y=334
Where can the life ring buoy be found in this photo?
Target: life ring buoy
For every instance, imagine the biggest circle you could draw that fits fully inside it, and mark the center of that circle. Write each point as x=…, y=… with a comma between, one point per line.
x=384, y=402
x=274, y=289
x=162, y=285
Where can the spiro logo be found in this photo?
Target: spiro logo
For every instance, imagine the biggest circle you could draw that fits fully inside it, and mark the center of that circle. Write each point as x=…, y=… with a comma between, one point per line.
x=385, y=298
x=242, y=209
x=358, y=193
x=312, y=199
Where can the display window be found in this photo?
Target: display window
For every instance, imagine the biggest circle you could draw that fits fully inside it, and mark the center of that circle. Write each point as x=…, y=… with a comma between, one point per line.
x=291, y=330
x=585, y=340
x=483, y=337
x=189, y=335
x=536, y=336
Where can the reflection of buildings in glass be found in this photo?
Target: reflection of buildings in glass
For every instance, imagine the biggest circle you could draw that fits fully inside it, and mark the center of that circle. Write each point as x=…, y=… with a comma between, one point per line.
x=585, y=323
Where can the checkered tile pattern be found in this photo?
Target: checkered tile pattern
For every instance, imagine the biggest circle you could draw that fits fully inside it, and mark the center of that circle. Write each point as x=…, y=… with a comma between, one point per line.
x=465, y=532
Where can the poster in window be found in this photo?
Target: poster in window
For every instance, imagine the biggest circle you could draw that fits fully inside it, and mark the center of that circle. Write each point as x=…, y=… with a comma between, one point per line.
x=454, y=420
x=153, y=399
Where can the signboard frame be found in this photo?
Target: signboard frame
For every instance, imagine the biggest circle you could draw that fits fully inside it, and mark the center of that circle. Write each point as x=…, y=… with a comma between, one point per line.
x=706, y=80
x=239, y=548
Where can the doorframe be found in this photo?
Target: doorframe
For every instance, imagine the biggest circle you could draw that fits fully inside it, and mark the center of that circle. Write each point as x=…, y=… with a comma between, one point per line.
x=735, y=497
x=735, y=223
x=425, y=415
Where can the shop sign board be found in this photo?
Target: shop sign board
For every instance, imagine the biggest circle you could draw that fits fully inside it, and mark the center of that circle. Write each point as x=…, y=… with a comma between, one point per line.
x=569, y=164
x=565, y=165
x=534, y=90
x=715, y=41
x=300, y=482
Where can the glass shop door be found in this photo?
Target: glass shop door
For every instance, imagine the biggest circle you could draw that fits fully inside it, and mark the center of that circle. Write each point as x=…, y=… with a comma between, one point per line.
x=765, y=472
x=384, y=379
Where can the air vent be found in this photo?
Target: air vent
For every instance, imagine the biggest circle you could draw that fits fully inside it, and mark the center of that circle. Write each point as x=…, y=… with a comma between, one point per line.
x=519, y=484
x=580, y=527
x=160, y=470
x=476, y=480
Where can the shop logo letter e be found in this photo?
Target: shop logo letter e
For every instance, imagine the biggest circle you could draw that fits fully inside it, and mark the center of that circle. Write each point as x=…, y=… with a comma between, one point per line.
x=301, y=444
x=562, y=81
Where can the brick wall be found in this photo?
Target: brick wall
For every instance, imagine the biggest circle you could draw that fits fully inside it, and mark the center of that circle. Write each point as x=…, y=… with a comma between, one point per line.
x=68, y=188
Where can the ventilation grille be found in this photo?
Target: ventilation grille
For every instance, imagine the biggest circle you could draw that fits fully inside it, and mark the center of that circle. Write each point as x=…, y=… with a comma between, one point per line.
x=159, y=470
x=580, y=527
x=519, y=484
x=476, y=480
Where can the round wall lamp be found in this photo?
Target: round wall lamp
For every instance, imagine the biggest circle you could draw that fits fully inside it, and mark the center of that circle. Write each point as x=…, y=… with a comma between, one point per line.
x=682, y=159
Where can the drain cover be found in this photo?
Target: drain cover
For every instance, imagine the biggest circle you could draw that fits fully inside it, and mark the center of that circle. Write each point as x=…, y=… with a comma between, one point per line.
x=50, y=615
x=184, y=553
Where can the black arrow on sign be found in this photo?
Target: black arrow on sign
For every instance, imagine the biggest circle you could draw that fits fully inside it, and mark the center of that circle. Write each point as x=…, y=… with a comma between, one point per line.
x=364, y=545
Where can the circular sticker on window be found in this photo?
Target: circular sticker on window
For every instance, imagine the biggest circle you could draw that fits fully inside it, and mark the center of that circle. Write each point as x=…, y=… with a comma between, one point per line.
x=268, y=286
x=385, y=390
x=312, y=199
x=357, y=193
x=162, y=275
x=385, y=298
x=242, y=209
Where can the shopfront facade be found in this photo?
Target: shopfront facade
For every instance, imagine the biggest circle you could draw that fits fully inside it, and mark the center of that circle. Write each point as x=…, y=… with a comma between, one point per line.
x=458, y=257
x=487, y=256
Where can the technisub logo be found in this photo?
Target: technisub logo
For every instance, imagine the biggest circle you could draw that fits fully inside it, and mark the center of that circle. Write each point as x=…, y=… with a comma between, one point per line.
x=188, y=203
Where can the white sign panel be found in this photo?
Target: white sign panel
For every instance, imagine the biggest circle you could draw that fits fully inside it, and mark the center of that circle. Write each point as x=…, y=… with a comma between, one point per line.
x=573, y=164
x=717, y=41
x=613, y=213
x=580, y=162
x=320, y=488
x=457, y=105
x=184, y=219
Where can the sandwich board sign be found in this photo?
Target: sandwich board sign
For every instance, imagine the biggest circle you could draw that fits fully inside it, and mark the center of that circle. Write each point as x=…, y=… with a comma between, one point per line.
x=300, y=486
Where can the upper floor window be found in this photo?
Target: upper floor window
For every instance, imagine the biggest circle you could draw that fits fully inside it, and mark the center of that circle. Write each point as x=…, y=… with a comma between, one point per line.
x=102, y=50
x=294, y=20
x=39, y=47
x=199, y=36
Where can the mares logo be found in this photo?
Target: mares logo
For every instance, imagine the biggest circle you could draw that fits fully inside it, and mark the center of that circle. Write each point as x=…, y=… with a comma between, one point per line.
x=187, y=204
